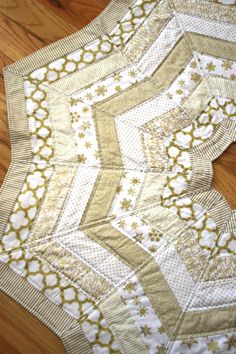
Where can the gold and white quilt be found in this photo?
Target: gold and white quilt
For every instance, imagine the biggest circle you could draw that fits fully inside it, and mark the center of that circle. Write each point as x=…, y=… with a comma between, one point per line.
x=111, y=232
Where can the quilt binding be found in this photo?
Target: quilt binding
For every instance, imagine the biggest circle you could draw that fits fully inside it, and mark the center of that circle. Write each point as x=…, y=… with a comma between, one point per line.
x=63, y=325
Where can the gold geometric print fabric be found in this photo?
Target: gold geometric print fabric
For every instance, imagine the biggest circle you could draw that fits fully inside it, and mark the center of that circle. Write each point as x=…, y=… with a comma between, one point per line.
x=111, y=232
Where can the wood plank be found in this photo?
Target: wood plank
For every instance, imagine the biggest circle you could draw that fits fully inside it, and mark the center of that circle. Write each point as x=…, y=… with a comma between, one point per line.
x=61, y=3
x=87, y=10
x=24, y=333
x=15, y=41
x=79, y=13
x=39, y=21
x=225, y=175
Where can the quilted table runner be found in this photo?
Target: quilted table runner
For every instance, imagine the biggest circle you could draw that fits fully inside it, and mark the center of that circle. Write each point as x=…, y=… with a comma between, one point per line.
x=111, y=232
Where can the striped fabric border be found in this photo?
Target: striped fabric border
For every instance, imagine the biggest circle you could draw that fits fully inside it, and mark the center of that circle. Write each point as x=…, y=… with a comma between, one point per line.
x=202, y=173
x=207, y=198
x=218, y=142
x=18, y=124
x=20, y=147
x=218, y=208
x=220, y=212
x=75, y=342
x=222, y=87
x=231, y=222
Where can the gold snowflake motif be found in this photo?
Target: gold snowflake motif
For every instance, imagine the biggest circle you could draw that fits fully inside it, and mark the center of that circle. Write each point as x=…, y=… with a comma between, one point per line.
x=117, y=88
x=145, y=330
x=86, y=125
x=227, y=65
x=231, y=341
x=161, y=349
x=161, y=329
x=74, y=101
x=139, y=237
x=152, y=249
x=81, y=135
x=85, y=109
x=137, y=300
x=233, y=77
x=135, y=181
x=88, y=145
x=195, y=77
x=210, y=67
x=121, y=223
x=213, y=346
x=189, y=342
x=154, y=235
x=130, y=287
x=142, y=311
x=117, y=77
x=134, y=225
x=89, y=96
x=131, y=191
x=101, y=90
x=132, y=73
x=81, y=158
x=126, y=204
x=179, y=92
x=181, y=82
x=193, y=65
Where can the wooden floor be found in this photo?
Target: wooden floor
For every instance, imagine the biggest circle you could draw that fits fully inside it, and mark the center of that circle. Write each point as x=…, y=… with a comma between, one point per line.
x=25, y=26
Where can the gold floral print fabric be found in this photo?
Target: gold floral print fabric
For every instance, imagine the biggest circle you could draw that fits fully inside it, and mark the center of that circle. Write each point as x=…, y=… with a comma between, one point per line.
x=111, y=232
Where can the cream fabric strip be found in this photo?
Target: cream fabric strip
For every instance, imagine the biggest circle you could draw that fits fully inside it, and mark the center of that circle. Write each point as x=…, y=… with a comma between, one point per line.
x=63, y=135
x=207, y=27
x=50, y=210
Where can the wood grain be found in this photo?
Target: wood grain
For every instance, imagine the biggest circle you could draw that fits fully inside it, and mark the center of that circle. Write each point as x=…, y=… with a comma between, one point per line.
x=36, y=19
x=23, y=333
x=25, y=26
x=61, y=3
x=15, y=41
x=224, y=180
x=79, y=13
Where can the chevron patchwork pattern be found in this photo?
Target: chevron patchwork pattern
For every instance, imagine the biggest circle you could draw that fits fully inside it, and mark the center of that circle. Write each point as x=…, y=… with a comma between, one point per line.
x=112, y=215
